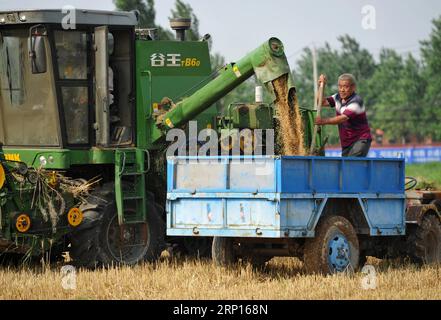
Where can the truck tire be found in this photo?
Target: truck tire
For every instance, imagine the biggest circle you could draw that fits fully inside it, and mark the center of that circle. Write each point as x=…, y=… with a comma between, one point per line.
x=334, y=248
x=424, y=241
x=98, y=241
x=223, y=252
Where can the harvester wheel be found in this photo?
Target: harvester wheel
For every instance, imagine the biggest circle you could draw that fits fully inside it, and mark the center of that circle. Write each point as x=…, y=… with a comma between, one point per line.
x=100, y=241
x=334, y=248
x=223, y=251
x=424, y=241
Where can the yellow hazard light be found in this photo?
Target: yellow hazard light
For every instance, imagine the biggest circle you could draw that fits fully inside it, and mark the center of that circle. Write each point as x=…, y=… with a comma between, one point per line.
x=2, y=176
x=75, y=217
x=23, y=223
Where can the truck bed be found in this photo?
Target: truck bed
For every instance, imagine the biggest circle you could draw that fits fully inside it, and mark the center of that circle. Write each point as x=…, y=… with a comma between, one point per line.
x=279, y=197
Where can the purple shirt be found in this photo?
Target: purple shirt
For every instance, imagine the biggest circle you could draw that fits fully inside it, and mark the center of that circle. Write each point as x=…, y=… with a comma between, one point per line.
x=356, y=127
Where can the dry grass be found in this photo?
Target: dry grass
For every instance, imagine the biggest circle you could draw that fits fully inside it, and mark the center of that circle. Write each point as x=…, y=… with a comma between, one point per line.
x=283, y=278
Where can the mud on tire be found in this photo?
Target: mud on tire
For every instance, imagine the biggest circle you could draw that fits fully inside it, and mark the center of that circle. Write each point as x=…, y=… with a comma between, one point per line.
x=334, y=248
x=223, y=251
x=101, y=242
x=424, y=241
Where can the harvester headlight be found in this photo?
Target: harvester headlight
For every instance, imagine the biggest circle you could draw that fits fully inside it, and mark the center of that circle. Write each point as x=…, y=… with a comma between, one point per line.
x=23, y=18
x=74, y=217
x=23, y=222
x=43, y=160
x=2, y=176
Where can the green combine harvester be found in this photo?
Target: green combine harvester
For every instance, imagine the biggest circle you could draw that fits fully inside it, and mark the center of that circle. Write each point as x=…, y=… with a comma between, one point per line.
x=84, y=116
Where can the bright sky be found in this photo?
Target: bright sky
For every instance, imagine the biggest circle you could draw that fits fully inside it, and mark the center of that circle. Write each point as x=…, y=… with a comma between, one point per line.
x=239, y=26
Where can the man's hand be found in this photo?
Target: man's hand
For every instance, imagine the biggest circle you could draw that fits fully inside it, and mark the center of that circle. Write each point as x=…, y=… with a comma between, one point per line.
x=322, y=79
x=319, y=121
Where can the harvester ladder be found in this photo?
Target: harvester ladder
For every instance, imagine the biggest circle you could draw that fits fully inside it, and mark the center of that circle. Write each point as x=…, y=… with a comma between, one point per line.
x=130, y=175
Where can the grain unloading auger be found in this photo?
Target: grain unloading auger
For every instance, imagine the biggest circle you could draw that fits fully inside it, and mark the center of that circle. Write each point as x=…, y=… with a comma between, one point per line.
x=269, y=65
x=268, y=62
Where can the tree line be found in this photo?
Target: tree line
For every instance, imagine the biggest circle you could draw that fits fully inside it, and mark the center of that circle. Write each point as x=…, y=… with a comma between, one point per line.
x=400, y=93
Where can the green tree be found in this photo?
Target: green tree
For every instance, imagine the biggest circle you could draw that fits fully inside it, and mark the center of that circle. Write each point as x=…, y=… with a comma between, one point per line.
x=146, y=10
x=356, y=61
x=431, y=56
x=351, y=58
x=389, y=93
x=184, y=10
x=147, y=15
x=217, y=61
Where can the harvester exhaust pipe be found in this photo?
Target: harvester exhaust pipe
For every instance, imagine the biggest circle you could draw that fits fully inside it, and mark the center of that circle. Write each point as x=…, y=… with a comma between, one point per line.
x=180, y=25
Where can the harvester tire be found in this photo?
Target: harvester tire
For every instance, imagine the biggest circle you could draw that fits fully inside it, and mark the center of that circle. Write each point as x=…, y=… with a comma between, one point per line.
x=424, y=241
x=223, y=251
x=96, y=242
x=334, y=248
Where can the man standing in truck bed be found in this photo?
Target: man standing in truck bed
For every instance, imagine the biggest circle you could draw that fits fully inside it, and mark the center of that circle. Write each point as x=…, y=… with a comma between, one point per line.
x=353, y=127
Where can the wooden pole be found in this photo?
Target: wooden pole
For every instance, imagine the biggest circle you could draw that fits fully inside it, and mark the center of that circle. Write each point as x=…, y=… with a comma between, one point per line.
x=319, y=108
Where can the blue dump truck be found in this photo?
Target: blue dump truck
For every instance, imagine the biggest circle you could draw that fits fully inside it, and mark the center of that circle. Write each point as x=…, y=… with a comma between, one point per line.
x=330, y=212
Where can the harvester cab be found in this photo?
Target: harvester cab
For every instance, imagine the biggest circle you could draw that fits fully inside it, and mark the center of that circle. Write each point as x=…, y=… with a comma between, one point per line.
x=57, y=79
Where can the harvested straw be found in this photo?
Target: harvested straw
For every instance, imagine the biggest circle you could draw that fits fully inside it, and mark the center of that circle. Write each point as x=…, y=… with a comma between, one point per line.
x=49, y=190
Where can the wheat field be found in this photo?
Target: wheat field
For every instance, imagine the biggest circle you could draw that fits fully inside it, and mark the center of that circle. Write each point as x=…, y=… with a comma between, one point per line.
x=283, y=278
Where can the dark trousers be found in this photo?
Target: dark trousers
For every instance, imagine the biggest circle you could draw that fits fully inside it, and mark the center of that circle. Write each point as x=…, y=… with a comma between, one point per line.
x=359, y=148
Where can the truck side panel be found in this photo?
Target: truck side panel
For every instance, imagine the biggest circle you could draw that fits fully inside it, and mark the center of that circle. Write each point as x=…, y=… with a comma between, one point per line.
x=280, y=197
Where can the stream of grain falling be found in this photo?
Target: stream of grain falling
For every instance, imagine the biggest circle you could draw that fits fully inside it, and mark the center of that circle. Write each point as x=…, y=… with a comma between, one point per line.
x=290, y=121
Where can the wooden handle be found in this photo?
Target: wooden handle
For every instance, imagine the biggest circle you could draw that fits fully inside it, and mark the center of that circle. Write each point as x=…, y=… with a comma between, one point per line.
x=319, y=109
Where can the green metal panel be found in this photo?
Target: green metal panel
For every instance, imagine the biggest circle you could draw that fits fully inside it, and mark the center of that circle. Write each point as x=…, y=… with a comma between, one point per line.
x=171, y=69
x=59, y=158
x=250, y=115
x=308, y=117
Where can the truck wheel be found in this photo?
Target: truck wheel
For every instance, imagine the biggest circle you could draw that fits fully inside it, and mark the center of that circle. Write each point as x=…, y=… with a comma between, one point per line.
x=334, y=248
x=222, y=251
x=101, y=242
x=424, y=241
